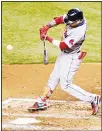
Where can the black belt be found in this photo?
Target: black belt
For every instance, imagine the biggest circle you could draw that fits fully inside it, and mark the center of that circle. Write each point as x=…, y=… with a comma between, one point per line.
x=68, y=52
x=78, y=51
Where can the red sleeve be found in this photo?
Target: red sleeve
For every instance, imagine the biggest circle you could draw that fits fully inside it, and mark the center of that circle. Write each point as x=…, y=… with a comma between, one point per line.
x=63, y=46
x=59, y=20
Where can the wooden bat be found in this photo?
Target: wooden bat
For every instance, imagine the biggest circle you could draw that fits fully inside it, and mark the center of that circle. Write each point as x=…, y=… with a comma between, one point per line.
x=45, y=53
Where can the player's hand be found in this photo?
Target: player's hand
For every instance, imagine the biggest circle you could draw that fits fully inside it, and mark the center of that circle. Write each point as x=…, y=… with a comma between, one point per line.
x=43, y=36
x=46, y=38
x=43, y=32
x=44, y=29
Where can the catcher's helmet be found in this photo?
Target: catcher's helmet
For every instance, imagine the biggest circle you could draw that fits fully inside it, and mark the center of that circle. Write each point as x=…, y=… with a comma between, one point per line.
x=73, y=15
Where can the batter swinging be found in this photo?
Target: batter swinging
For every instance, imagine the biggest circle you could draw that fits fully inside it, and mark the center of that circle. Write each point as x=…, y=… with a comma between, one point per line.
x=68, y=61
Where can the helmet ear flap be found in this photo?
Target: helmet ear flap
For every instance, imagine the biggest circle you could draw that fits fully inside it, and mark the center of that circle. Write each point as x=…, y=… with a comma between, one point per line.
x=66, y=19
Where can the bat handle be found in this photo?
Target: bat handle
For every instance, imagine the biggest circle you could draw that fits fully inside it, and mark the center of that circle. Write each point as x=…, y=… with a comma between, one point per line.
x=45, y=53
x=44, y=38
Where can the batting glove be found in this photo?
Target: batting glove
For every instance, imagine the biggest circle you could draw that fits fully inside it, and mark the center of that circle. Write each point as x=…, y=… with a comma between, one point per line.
x=43, y=32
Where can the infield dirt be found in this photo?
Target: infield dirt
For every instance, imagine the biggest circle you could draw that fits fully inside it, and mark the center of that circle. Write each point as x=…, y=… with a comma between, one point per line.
x=27, y=81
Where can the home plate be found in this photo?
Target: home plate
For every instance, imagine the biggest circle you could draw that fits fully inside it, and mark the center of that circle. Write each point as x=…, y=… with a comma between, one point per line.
x=21, y=121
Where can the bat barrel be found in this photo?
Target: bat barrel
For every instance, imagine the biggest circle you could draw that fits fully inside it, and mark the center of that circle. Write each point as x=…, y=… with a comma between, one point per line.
x=45, y=53
x=45, y=57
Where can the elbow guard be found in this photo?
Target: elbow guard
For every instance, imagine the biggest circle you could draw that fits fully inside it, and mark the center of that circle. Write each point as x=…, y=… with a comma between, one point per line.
x=63, y=46
x=59, y=20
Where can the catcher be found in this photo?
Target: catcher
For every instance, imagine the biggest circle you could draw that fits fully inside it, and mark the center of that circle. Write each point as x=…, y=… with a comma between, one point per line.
x=68, y=61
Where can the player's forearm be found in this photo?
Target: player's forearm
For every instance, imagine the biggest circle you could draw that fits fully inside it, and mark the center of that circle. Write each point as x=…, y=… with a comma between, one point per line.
x=56, y=21
x=60, y=44
x=54, y=42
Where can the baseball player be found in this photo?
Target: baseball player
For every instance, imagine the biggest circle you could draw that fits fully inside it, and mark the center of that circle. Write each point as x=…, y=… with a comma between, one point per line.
x=68, y=61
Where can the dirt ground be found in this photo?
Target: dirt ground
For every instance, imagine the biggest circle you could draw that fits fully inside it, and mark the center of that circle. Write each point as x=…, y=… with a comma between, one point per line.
x=27, y=81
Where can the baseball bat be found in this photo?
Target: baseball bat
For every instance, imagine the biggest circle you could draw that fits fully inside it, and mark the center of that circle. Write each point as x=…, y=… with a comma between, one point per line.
x=45, y=53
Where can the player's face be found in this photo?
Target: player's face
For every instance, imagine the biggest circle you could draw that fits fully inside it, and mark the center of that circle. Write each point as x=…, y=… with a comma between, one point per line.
x=75, y=23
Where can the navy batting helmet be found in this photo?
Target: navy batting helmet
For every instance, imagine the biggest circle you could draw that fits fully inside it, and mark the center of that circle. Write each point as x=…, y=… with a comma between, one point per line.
x=73, y=15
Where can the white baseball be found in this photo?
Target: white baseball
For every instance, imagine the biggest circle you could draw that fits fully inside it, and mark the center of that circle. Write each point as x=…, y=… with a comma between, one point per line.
x=9, y=47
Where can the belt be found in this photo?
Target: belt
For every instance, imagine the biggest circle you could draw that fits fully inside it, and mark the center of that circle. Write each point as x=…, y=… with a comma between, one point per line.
x=78, y=51
x=69, y=52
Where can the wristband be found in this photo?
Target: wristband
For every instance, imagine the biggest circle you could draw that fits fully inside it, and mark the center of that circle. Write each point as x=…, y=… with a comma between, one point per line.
x=49, y=39
x=56, y=43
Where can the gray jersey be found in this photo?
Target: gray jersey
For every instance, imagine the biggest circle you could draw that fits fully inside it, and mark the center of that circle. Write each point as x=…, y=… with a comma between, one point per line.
x=74, y=37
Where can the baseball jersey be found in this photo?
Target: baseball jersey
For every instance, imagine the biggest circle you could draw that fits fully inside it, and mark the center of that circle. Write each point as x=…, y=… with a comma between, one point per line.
x=74, y=37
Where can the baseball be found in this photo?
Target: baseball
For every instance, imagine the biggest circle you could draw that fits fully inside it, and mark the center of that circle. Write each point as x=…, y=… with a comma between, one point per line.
x=9, y=47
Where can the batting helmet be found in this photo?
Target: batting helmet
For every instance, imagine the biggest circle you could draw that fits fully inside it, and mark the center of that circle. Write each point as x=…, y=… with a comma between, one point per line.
x=73, y=15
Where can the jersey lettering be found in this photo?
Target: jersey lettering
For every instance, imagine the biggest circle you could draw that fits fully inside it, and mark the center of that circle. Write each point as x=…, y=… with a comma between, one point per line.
x=65, y=34
x=71, y=42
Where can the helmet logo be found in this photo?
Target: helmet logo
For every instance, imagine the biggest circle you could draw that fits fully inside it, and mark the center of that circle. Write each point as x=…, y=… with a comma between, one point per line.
x=72, y=14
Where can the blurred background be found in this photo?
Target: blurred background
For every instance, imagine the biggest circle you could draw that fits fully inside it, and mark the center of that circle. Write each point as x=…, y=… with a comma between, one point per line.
x=21, y=22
